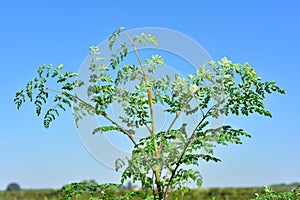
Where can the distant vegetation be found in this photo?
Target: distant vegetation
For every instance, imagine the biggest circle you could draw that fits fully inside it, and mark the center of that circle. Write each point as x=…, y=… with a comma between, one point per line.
x=13, y=187
x=282, y=190
x=30, y=195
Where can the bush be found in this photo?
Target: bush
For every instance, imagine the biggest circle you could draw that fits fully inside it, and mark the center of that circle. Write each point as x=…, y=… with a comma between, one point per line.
x=13, y=187
x=270, y=194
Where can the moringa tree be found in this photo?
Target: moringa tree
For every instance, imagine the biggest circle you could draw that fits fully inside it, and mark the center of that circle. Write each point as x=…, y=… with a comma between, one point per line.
x=162, y=161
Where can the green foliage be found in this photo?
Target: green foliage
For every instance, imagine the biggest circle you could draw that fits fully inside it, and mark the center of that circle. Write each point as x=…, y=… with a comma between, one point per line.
x=270, y=194
x=204, y=194
x=78, y=190
x=94, y=191
x=37, y=91
x=163, y=161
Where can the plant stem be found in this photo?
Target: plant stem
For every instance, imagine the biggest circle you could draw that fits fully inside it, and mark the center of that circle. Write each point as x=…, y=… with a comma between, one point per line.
x=120, y=127
x=150, y=100
x=178, y=163
x=129, y=135
x=182, y=154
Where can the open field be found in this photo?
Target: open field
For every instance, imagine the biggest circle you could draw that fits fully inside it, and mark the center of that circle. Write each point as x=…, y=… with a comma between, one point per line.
x=204, y=194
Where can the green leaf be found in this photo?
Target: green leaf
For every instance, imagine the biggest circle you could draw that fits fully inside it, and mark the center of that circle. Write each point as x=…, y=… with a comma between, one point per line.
x=103, y=129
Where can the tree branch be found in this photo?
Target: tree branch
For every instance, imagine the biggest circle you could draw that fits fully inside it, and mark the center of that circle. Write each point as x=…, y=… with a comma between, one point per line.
x=129, y=135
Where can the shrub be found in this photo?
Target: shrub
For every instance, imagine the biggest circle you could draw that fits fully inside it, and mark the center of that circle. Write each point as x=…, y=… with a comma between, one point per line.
x=13, y=187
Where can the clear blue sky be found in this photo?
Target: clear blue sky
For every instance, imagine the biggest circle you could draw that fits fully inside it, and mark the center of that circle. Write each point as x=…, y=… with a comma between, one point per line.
x=264, y=33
